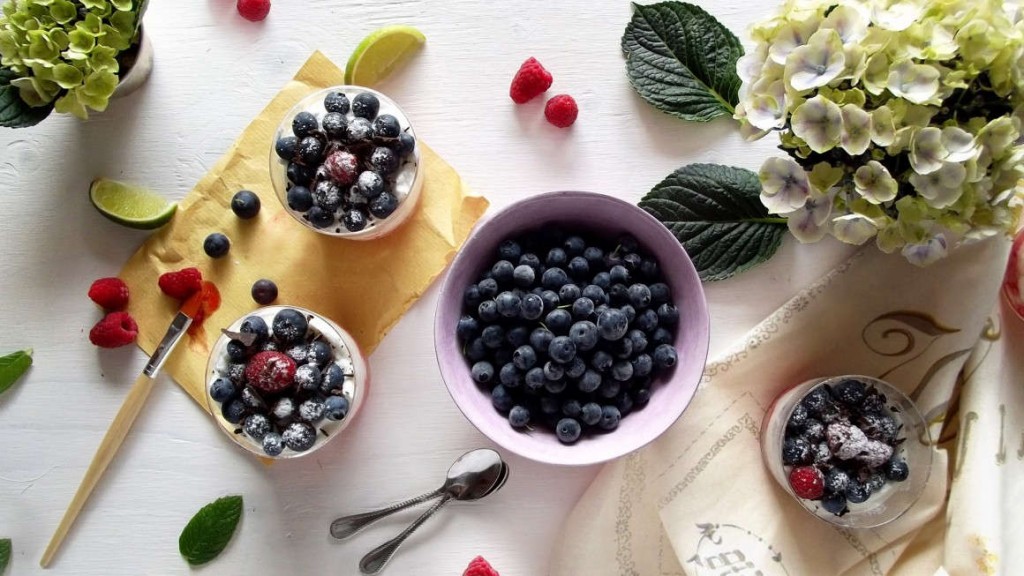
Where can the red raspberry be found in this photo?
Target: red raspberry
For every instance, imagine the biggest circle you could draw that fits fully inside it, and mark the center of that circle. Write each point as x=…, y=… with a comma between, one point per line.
x=342, y=167
x=807, y=482
x=182, y=283
x=270, y=371
x=254, y=10
x=109, y=293
x=480, y=567
x=561, y=110
x=114, y=330
x=530, y=81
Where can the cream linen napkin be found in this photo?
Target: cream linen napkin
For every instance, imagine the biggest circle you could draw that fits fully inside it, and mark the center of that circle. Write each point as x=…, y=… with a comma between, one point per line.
x=699, y=500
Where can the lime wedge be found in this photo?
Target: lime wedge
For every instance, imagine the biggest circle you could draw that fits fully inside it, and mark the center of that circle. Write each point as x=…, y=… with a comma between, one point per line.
x=130, y=205
x=380, y=53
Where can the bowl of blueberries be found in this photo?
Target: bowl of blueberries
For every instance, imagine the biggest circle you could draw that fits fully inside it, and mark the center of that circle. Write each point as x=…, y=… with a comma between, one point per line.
x=345, y=162
x=572, y=328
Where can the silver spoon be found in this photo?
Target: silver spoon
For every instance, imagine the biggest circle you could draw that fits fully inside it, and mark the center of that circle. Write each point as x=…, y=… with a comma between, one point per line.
x=480, y=465
x=483, y=485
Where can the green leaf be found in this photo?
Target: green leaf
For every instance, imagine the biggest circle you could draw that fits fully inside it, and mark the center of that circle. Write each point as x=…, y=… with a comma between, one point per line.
x=210, y=530
x=12, y=367
x=14, y=111
x=5, y=554
x=682, y=60
x=717, y=215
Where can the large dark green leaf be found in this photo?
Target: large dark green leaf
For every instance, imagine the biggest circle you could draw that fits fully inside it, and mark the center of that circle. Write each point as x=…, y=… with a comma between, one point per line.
x=716, y=213
x=682, y=60
x=12, y=367
x=210, y=530
x=5, y=554
x=14, y=112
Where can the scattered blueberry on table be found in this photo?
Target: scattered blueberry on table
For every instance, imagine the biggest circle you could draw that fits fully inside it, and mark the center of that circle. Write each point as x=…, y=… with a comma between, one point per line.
x=245, y=204
x=216, y=245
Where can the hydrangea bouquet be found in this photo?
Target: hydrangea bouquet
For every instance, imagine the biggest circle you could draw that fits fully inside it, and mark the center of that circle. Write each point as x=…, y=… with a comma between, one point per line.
x=902, y=120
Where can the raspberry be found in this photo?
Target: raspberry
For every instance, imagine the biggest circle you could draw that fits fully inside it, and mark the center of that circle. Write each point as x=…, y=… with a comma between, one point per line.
x=480, y=567
x=254, y=10
x=342, y=167
x=530, y=81
x=114, y=330
x=182, y=283
x=109, y=293
x=561, y=110
x=807, y=482
x=270, y=371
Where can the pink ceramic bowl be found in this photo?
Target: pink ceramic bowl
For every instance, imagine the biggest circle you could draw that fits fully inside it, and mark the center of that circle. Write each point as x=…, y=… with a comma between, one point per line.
x=610, y=217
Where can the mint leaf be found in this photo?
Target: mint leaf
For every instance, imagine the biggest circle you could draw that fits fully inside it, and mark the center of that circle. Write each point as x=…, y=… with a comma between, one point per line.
x=682, y=60
x=209, y=531
x=5, y=554
x=717, y=215
x=12, y=366
x=14, y=112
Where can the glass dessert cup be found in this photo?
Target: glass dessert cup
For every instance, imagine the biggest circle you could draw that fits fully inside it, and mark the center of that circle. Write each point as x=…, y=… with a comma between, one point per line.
x=345, y=353
x=407, y=180
x=882, y=506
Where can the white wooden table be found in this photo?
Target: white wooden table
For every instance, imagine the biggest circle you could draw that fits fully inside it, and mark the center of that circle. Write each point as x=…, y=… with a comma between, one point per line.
x=214, y=72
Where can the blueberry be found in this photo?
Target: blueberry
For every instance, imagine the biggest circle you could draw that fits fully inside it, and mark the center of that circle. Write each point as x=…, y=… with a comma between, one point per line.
x=612, y=324
x=660, y=293
x=574, y=245
x=523, y=276
x=836, y=481
x=289, y=326
x=556, y=258
x=857, y=492
x=638, y=340
x=333, y=378
x=467, y=329
x=572, y=408
x=299, y=436
x=619, y=275
x=612, y=259
x=256, y=426
x=216, y=245
x=622, y=348
x=594, y=255
x=471, y=297
x=223, y=390
x=384, y=160
x=510, y=376
x=524, y=357
x=252, y=399
x=576, y=368
x=493, y=336
x=310, y=151
x=285, y=147
x=335, y=407
x=245, y=204
x=601, y=360
x=584, y=335
x=590, y=413
x=482, y=372
x=641, y=396
x=643, y=365
x=304, y=124
x=532, y=261
x=589, y=382
x=622, y=370
x=554, y=386
x=336, y=102
x=335, y=125
x=532, y=307
x=662, y=336
x=519, y=416
x=236, y=373
x=354, y=220
x=618, y=294
x=578, y=267
x=568, y=294
x=550, y=298
x=365, y=105
x=300, y=175
x=649, y=270
x=632, y=261
x=369, y=184
x=595, y=293
x=503, y=272
x=386, y=127
x=554, y=278
x=383, y=205
x=665, y=356
x=582, y=308
x=308, y=377
x=609, y=388
x=509, y=304
x=501, y=399
x=816, y=400
x=568, y=430
x=796, y=451
x=553, y=371
x=850, y=392
x=359, y=131
x=646, y=321
x=541, y=338
x=558, y=321
x=233, y=410
x=610, y=417
x=668, y=315
x=299, y=198
x=639, y=295
x=236, y=351
x=835, y=504
x=814, y=430
x=562, y=349
x=624, y=402
x=875, y=482
x=797, y=420
x=518, y=336
x=405, y=144
x=488, y=311
x=897, y=470
x=535, y=379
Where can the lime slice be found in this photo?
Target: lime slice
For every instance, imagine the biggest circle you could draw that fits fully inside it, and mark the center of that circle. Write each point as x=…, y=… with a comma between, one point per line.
x=130, y=205
x=380, y=53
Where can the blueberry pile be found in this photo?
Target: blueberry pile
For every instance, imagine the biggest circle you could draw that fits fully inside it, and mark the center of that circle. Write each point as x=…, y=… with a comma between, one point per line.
x=851, y=437
x=341, y=168
x=568, y=331
x=281, y=382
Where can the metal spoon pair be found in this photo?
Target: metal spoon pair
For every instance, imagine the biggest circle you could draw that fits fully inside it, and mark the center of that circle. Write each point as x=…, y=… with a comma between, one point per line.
x=474, y=475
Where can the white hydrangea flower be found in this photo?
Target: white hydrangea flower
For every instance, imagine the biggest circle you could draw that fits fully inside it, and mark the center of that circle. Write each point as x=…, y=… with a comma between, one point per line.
x=883, y=129
x=942, y=187
x=926, y=150
x=896, y=15
x=918, y=83
x=784, y=185
x=816, y=63
x=998, y=135
x=856, y=133
x=924, y=253
x=749, y=66
x=788, y=37
x=876, y=73
x=850, y=21
x=808, y=223
x=874, y=183
x=853, y=228
x=959, y=144
x=767, y=110
x=818, y=122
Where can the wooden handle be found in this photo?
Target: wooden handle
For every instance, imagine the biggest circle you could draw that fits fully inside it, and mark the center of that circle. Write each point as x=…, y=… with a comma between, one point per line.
x=108, y=448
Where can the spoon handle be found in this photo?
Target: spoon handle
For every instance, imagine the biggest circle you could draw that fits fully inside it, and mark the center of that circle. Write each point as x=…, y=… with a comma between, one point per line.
x=375, y=559
x=348, y=525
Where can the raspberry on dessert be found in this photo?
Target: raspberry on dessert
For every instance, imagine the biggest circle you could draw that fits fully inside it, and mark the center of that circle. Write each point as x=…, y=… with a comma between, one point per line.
x=561, y=110
x=529, y=82
x=807, y=482
x=254, y=10
x=875, y=453
x=342, y=166
x=109, y=293
x=480, y=567
x=270, y=371
x=114, y=330
x=182, y=283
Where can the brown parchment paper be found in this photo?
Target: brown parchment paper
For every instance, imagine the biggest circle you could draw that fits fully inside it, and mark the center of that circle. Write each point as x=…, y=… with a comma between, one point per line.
x=365, y=286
